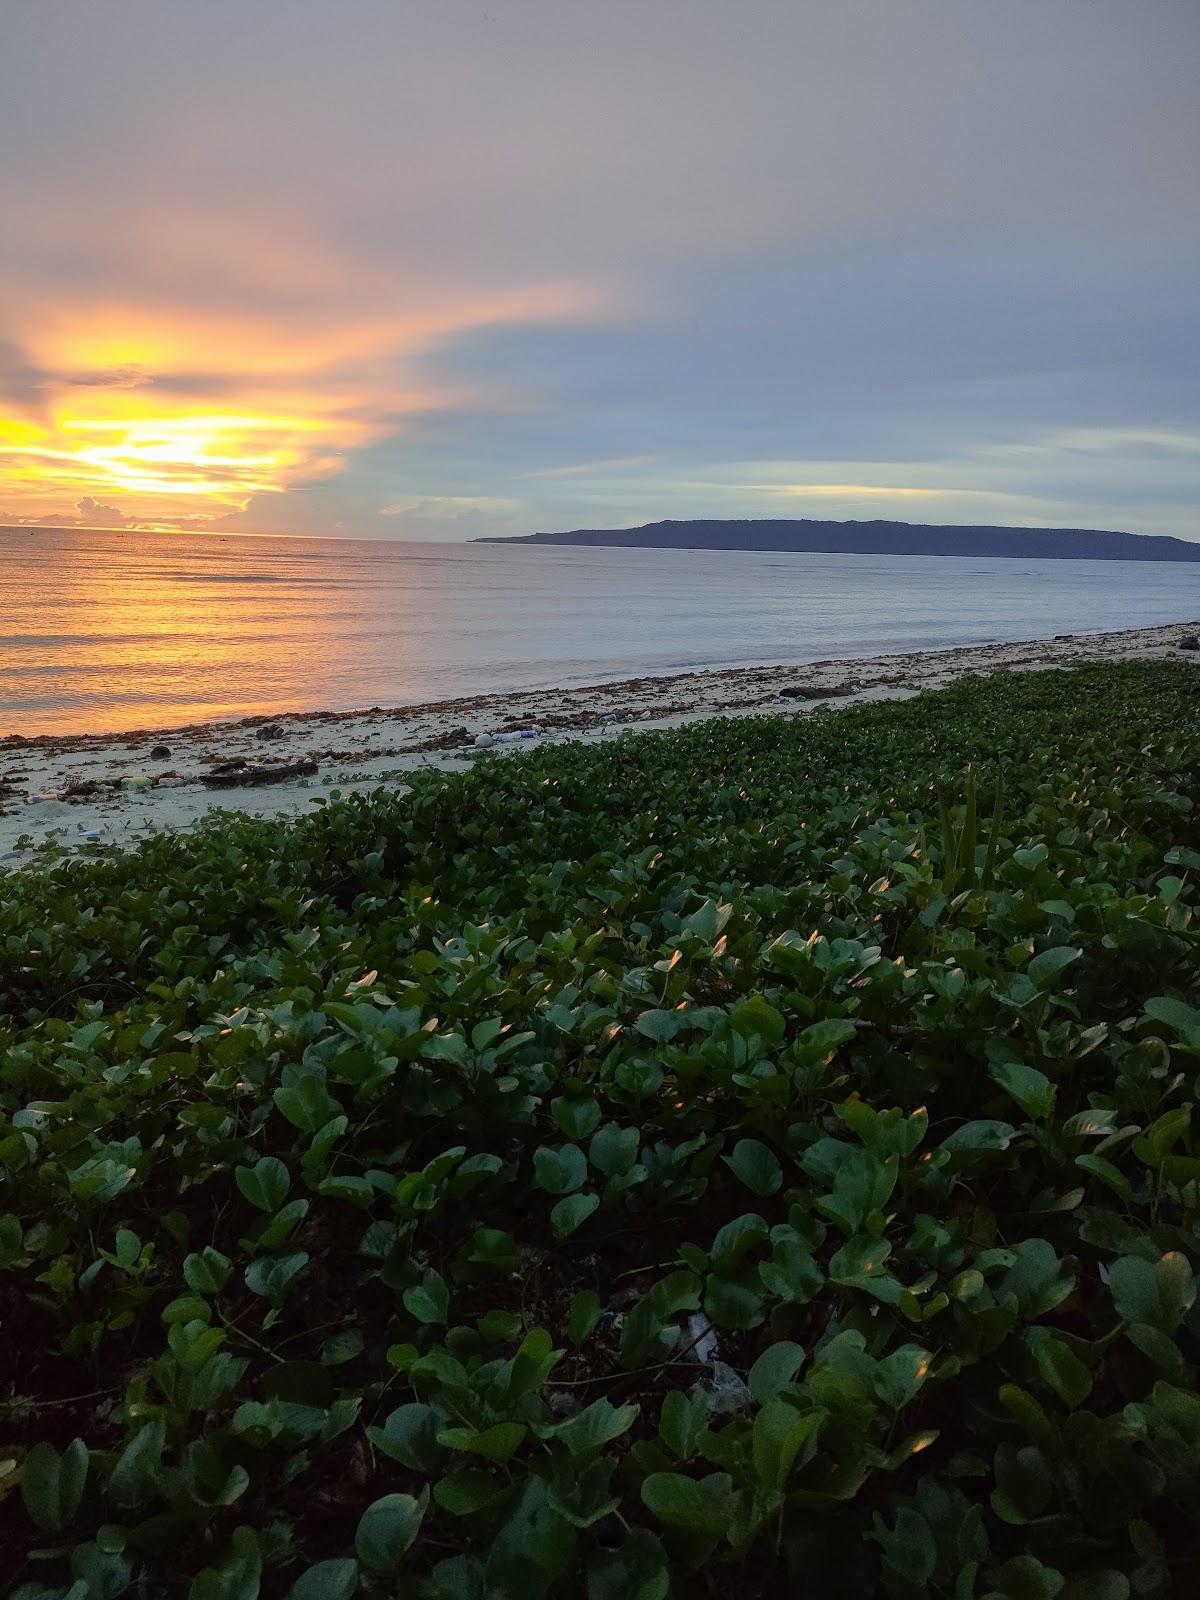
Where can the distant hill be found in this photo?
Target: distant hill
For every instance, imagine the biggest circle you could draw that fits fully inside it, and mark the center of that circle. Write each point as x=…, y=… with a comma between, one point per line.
x=877, y=539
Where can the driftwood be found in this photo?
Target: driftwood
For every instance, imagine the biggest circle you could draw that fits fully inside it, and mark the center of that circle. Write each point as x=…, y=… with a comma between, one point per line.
x=242, y=774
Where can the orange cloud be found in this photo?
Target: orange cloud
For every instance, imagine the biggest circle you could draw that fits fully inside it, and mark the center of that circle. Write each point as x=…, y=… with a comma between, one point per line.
x=162, y=412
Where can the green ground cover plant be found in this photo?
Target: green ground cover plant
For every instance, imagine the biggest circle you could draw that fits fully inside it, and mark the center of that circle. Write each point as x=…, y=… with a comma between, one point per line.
x=374, y=1188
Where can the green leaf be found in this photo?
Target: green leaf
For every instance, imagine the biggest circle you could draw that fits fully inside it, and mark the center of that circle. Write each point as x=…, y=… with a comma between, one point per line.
x=900, y=1375
x=428, y=1301
x=1026, y=1412
x=1031, y=1089
x=735, y=1302
x=1157, y=1293
x=735, y=1239
x=860, y=1261
x=973, y=1136
x=570, y=1212
x=757, y=1166
x=306, y=1104
x=778, y=1436
x=683, y=1422
x=52, y=1485
x=410, y=1436
x=862, y=1187
x=637, y=1570
x=187, y=1308
x=128, y=1247
x=1024, y=1484
x=1036, y=1280
x=208, y=1271
x=1175, y=1013
x=328, y=1580
x=345, y=1186
x=1108, y=1174
x=586, y=1311
x=501, y=1327
x=1158, y=1347
x=1025, y=1578
x=236, y=1576
x=387, y=1530
x=1061, y=1368
x=494, y=1248
x=909, y=1547
x=273, y=1276
x=613, y=1149
x=824, y=1037
x=708, y=922
x=774, y=1370
x=661, y=1026
x=1162, y=1135
x=341, y=1347
x=134, y=1476
x=559, y=1169
x=1045, y=968
x=698, y=1506
x=756, y=1015
x=496, y=1443
x=463, y=1493
x=792, y=1274
x=598, y=1425
x=265, y=1184
x=576, y=1118
x=1058, y=908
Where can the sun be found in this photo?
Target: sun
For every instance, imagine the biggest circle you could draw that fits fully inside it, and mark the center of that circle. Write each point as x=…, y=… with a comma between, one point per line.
x=149, y=462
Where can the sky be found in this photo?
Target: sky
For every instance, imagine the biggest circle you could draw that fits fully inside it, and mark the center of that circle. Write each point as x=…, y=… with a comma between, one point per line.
x=437, y=270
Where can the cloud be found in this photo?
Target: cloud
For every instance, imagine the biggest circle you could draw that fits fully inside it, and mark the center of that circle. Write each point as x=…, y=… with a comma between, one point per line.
x=91, y=510
x=448, y=505
x=237, y=408
x=130, y=376
x=583, y=469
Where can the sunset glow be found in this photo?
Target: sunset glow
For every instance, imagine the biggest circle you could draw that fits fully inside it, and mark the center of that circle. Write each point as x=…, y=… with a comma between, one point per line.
x=159, y=418
x=224, y=459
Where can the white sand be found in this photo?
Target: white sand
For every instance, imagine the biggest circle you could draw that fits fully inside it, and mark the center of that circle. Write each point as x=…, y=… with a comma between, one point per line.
x=367, y=749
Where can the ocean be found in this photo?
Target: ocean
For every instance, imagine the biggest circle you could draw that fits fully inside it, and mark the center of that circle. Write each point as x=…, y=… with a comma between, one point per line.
x=100, y=632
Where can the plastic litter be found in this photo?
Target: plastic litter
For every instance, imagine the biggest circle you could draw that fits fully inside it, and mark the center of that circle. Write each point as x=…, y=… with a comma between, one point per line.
x=727, y=1391
x=701, y=1330
x=725, y=1388
x=134, y=783
x=562, y=1402
x=482, y=739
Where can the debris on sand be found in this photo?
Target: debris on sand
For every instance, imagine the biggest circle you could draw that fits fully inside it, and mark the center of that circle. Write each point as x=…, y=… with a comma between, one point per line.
x=241, y=774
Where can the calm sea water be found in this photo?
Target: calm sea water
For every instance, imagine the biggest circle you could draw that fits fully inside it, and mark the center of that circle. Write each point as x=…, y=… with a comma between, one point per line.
x=104, y=631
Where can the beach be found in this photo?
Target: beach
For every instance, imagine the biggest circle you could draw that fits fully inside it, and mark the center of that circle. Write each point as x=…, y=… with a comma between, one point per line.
x=88, y=792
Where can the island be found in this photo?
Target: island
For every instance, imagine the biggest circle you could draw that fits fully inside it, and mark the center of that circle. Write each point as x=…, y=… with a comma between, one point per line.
x=803, y=534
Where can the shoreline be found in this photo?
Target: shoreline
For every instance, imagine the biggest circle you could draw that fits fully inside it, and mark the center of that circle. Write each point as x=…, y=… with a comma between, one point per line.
x=67, y=787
